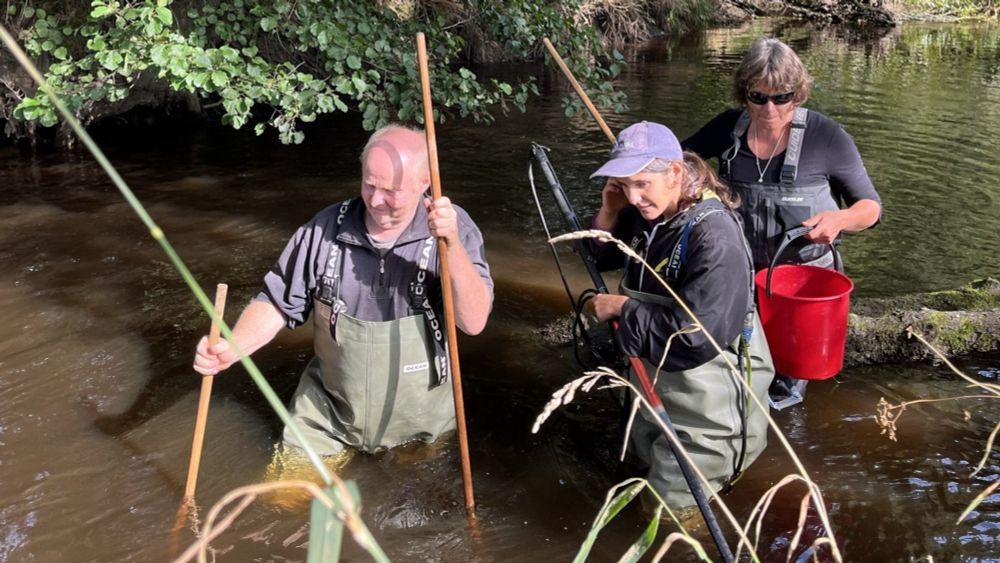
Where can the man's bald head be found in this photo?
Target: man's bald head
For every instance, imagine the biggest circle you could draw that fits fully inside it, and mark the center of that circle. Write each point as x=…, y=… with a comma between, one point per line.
x=406, y=147
x=394, y=176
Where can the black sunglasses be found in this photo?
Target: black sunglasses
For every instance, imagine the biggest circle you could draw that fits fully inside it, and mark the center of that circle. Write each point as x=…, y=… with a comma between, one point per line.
x=760, y=98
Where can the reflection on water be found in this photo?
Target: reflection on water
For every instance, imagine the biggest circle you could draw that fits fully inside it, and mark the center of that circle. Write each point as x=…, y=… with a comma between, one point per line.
x=97, y=399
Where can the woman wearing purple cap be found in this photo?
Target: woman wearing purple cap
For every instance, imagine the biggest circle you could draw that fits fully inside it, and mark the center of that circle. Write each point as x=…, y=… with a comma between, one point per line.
x=673, y=211
x=789, y=166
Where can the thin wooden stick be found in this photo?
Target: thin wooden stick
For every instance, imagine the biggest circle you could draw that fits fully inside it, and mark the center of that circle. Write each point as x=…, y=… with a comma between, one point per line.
x=579, y=89
x=203, y=400
x=449, y=306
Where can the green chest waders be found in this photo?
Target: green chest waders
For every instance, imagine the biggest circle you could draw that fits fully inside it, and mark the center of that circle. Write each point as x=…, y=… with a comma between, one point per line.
x=769, y=210
x=372, y=384
x=370, y=387
x=707, y=405
x=704, y=404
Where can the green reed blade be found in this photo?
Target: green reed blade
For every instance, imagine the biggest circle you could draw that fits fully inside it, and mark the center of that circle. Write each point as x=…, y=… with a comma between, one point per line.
x=617, y=498
x=641, y=545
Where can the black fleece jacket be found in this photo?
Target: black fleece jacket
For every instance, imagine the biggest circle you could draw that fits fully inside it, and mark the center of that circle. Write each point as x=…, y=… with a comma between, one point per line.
x=715, y=284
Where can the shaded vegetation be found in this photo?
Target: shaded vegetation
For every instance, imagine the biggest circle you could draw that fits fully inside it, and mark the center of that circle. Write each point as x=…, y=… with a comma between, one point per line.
x=276, y=64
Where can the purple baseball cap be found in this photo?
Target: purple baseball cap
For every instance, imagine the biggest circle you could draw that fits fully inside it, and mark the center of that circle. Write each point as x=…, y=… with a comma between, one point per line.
x=637, y=146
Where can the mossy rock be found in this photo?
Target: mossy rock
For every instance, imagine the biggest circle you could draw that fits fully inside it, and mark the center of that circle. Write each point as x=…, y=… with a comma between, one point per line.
x=956, y=322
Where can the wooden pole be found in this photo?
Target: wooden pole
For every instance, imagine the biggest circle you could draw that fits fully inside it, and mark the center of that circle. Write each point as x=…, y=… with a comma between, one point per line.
x=579, y=89
x=203, y=400
x=449, y=306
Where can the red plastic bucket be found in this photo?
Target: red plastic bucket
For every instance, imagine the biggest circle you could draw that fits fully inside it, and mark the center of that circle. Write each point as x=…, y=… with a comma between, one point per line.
x=804, y=313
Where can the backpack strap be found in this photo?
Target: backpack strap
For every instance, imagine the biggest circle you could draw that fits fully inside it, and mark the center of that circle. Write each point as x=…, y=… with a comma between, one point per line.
x=679, y=255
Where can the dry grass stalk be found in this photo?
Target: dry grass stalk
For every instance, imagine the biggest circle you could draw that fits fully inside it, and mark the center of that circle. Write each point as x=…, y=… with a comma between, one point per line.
x=800, y=526
x=991, y=387
x=673, y=538
x=819, y=503
x=886, y=413
x=246, y=495
x=995, y=393
x=656, y=376
x=979, y=498
x=587, y=382
x=564, y=395
x=811, y=498
x=987, y=450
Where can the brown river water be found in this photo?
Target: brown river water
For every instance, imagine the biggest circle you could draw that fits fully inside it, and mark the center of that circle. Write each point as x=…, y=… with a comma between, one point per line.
x=98, y=401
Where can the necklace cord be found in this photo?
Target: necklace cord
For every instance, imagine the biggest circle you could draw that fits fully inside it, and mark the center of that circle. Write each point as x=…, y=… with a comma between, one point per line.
x=774, y=150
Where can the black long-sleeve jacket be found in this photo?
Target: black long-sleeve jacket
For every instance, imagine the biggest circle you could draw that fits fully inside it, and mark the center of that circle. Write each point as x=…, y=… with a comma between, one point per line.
x=715, y=282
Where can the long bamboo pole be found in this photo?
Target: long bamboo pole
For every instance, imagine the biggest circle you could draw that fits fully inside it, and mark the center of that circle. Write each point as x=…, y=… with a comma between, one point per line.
x=449, y=306
x=203, y=400
x=579, y=89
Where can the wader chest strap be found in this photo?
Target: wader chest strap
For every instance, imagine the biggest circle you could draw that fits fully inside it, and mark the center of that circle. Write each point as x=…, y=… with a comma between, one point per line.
x=739, y=129
x=329, y=282
x=790, y=168
x=419, y=301
x=329, y=293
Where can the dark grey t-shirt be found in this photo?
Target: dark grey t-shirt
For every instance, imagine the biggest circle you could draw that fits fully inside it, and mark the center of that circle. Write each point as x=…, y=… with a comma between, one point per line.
x=374, y=287
x=828, y=153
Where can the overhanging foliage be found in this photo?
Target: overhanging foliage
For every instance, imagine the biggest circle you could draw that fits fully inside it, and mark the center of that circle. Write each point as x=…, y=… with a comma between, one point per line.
x=280, y=63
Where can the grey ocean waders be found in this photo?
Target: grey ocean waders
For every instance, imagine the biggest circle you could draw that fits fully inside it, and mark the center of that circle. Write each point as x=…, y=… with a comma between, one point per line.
x=769, y=210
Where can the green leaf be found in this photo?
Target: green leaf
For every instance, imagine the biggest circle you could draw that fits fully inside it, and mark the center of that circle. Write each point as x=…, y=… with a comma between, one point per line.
x=359, y=84
x=99, y=12
x=48, y=119
x=199, y=79
x=354, y=62
x=60, y=53
x=220, y=78
x=165, y=15
x=112, y=60
x=268, y=24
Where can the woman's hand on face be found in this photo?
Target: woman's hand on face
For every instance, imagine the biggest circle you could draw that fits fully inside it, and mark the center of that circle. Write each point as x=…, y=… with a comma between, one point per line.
x=608, y=307
x=613, y=198
x=826, y=225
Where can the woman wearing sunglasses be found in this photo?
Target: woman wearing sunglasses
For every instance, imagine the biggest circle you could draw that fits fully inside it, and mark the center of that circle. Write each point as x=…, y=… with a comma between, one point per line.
x=790, y=167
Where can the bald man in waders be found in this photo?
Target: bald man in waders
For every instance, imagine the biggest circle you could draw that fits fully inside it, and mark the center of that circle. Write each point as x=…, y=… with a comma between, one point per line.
x=366, y=270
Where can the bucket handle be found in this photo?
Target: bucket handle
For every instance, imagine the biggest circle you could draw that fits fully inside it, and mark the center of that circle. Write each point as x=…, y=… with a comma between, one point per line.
x=790, y=235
